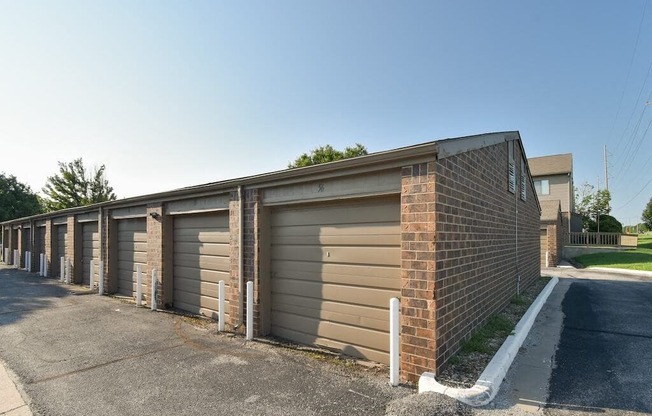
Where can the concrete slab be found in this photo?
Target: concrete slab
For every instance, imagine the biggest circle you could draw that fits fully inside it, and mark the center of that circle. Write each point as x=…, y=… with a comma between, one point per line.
x=11, y=402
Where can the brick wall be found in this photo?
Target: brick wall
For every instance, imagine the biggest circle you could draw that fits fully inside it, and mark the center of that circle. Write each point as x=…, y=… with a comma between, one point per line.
x=251, y=254
x=234, y=315
x=155, y=254
x=48, y=246
x=71, y=247
x=417, y=270
x=477, y=265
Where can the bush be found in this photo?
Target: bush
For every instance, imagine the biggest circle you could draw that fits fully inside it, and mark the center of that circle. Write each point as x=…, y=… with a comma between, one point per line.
x=608, y=224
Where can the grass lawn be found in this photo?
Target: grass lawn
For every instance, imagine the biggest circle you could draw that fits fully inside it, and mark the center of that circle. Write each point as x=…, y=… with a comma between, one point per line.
x=639, y=259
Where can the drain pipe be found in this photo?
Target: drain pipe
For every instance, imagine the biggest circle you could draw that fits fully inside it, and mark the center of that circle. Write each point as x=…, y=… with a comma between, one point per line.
x=240, y=254
x=518, y=274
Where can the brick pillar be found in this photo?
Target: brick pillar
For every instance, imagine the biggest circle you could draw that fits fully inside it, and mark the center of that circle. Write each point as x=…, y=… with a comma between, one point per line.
x=48, y=246
x=251, y=243
x=71, y=245
x=155, y=252
x=418, y=318
x=233, y=295
x=19, y=244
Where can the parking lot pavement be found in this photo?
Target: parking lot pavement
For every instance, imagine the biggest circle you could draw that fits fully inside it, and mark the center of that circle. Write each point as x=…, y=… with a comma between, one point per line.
x=90, y=355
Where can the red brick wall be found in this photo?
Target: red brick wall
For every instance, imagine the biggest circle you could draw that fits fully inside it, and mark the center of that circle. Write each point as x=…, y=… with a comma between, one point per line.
x=417, y=270
x=234, y=315
x=477, y=265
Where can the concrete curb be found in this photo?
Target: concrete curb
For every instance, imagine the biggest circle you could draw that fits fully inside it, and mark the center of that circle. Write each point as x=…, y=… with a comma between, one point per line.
x=11, y=402
x=639, y=273
x=487, y=386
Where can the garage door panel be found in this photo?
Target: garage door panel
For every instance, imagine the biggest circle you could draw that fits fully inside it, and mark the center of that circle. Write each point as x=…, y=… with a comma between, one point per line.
x=132, y=246
x=376, y=340
x=347, y=348
x=90, y=251
x=202, y=249
x=193, y=308
x=356, y=315
x=372, y=297
x=199, y=274
x=201, y=259
x=383, y=256
x=333, y=270
x=286, y=268
x=132, y=251
x=214, y=263
x=199, y=301
x=379, y=277
x=348, y=240
x=195, y=236
x=335, y=215
x=202, y=221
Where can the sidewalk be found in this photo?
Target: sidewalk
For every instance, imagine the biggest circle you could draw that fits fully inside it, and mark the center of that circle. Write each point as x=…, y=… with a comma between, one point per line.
x=11, y=402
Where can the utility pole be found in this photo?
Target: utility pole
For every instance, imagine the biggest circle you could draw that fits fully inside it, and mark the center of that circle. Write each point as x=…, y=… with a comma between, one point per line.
x=606, y=169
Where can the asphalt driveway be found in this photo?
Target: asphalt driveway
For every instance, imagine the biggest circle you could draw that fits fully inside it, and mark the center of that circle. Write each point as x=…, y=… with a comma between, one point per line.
x=90, y=355
x=604, y=358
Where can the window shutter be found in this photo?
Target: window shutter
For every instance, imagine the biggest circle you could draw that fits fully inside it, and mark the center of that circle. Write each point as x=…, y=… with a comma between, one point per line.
x=512, y=177
x=523, y=183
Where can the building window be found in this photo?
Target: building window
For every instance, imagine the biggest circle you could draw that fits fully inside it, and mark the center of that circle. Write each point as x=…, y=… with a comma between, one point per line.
x=542, y=187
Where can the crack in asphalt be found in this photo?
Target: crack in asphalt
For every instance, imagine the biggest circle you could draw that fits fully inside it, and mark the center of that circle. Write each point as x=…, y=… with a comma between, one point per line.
x=104, y=364
x=625, y=334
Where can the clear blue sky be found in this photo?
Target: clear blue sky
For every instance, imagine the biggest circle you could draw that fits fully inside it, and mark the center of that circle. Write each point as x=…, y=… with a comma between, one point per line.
x=176, y=93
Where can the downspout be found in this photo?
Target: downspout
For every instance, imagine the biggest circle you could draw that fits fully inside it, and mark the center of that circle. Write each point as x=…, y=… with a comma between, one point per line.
x=240, y=254
x=518, y=275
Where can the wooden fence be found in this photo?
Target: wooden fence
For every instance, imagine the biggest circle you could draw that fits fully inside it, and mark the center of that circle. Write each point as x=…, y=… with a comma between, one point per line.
x=602, y=239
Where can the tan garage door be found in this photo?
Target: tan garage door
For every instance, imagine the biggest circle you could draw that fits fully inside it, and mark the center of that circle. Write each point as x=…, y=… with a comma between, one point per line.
x=39, y=243
x=334, y=269
x=132, y=250
x=201, y=260
x=90, y=250
x=544, y=246
x=61, y=249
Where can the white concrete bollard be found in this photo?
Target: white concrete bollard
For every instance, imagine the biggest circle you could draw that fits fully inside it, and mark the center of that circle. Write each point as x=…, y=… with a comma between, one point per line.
x=6, y=256
x=45, y=265
x=16, y=259
x=26, y=260
x=547, y=258
x=100, y=283
x=221, y=293
x=29, y=261
x=139, y=285
x=250, y=310
x=154, y=282
x=40, y=264
x=62, y=266
x=393, y=341
x=91, y=276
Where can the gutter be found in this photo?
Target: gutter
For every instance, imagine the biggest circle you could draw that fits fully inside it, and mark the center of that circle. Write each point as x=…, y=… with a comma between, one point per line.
x=487, y=386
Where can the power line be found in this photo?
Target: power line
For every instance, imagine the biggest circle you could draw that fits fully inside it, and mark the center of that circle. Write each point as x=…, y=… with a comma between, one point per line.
x=629, y=70
x=637, y=194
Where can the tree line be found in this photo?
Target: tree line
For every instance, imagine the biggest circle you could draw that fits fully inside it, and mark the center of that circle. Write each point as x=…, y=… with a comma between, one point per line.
x=74, y=185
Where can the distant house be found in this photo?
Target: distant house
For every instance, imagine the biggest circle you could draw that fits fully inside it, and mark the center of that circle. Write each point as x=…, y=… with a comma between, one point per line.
x=553, y=183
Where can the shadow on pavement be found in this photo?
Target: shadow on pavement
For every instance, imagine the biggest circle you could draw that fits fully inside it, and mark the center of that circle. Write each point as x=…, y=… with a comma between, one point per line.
x=22, y=293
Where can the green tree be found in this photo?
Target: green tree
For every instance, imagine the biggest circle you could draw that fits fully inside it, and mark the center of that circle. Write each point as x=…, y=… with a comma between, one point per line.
x=590, y=204
x=16, y=199
x=325, y=154
x=72, y=187
x=608, y=224
x=647, y=215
